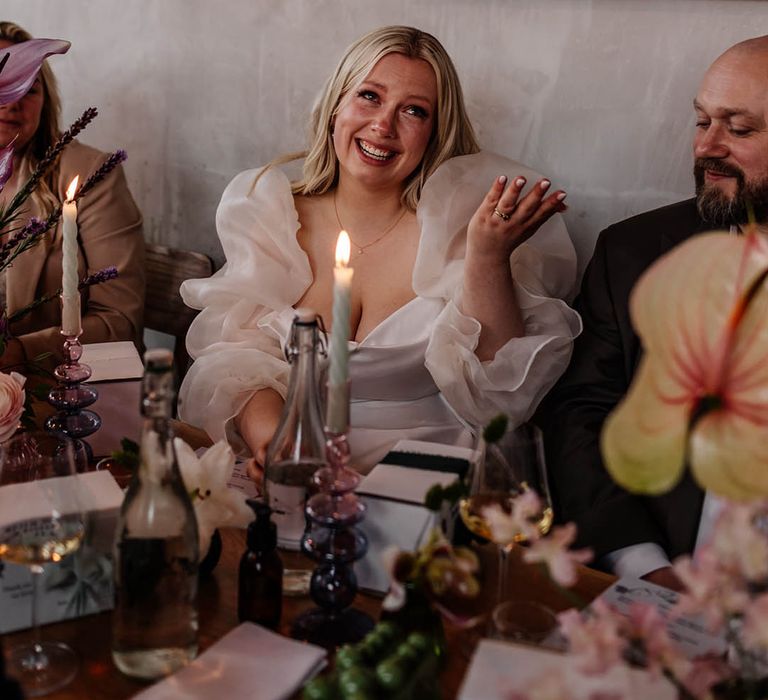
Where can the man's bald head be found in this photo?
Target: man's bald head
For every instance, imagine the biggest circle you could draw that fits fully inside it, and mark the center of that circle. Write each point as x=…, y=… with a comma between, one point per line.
x=731, y=144
x=756, y=48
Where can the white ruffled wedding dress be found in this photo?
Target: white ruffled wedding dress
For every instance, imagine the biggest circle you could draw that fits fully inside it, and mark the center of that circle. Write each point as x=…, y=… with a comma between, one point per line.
x=415, y=375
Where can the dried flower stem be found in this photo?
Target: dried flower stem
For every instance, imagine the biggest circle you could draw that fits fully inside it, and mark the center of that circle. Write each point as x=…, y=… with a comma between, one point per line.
x=108, y=273
x=27, y=237
x=105, y=275
x=98, y=175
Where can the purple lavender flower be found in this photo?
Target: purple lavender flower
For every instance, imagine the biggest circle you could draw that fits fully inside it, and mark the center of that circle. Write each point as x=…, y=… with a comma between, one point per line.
x=108, y=273
x=23, y=62
x=98, y=175
x=25, y=238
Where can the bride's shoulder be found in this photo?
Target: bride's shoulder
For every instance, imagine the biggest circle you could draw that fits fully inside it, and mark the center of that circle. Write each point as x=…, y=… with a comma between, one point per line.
x=256, y=183
x=260, y=193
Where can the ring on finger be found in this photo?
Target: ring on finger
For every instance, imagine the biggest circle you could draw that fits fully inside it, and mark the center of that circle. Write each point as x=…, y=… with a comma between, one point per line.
x=501, y=214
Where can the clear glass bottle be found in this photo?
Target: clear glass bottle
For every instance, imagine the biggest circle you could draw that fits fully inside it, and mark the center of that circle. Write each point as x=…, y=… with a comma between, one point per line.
x=297, y=450
x=156, y=553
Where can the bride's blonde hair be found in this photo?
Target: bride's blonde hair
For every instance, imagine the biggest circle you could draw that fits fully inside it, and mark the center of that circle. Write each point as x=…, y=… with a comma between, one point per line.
x=452, y=135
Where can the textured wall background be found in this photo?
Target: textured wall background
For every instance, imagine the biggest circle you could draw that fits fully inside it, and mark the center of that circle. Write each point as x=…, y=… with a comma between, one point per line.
x=594, y=93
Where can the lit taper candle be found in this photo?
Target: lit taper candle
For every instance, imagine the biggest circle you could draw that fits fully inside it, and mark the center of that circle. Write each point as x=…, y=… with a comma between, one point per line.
x=70, y=297
x=338, y=389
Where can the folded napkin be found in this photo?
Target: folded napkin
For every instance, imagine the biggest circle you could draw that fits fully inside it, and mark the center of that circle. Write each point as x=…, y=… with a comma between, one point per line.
x=248, y=662
x=503, y=670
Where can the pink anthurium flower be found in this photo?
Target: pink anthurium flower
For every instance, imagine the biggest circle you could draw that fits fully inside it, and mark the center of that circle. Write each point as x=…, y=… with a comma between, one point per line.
x=701, y=393
x=24, y=60
x=6, y=163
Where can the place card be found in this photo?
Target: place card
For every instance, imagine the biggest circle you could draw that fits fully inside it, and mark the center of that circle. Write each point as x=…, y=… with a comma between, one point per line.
x=79, y=585
x=504, y=670
x=689, y=633
x=248, y=662
x=116, y=370
x=112, y=361
x=239, y=478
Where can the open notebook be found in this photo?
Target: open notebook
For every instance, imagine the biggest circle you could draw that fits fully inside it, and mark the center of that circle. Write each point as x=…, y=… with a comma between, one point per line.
x=394, y=493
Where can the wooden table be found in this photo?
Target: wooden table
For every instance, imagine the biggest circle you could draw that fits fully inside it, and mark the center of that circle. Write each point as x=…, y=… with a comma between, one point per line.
x=99, y=679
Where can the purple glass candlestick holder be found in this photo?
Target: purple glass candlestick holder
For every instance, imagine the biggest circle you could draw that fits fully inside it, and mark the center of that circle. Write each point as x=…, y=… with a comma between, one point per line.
x=70, y=397
x=334, y=541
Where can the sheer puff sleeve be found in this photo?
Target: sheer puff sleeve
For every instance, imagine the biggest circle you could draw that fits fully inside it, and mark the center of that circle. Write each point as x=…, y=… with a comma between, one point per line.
x=235, y=351
x=544, y=273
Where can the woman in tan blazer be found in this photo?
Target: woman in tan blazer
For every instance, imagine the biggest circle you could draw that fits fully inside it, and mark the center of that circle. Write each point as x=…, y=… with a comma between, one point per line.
x=109, y=224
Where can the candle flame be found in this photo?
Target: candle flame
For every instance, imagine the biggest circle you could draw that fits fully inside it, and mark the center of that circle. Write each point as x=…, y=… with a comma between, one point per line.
x=72, y=189
x=342, y=249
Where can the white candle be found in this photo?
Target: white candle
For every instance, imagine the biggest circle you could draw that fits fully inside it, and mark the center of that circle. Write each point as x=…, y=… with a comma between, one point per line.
x=338, y=393
x=70, y=297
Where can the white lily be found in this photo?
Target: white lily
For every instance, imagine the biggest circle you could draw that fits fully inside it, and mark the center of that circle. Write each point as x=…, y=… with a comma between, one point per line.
x=216, y=505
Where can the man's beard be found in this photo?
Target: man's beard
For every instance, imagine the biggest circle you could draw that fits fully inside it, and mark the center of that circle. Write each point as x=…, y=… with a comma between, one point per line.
x=716, y=208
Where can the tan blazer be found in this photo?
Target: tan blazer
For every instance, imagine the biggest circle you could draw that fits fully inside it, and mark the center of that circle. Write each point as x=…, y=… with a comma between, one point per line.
x=110, y=233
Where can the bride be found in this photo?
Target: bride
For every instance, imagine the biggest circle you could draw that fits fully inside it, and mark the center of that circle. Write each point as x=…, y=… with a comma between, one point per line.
x=456, y=304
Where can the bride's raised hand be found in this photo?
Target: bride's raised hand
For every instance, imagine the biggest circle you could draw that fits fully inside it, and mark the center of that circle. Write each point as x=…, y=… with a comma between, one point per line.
x=504, y=220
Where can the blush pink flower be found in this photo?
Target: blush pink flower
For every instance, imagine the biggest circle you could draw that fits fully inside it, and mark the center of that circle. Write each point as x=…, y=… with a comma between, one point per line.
x=24, y=60
x=711, y=590
x=517, y=525
x=553, y=551
x=701, y=674
x=699, y=396
x=12, y=397
x=647, y=625
x=595, y=638
x=755, y=630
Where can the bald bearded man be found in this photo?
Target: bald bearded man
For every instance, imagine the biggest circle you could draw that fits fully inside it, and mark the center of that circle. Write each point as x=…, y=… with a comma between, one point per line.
x=637, y=535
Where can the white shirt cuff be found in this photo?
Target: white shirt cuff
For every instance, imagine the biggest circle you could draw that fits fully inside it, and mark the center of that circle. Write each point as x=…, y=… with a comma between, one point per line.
x=637, y=560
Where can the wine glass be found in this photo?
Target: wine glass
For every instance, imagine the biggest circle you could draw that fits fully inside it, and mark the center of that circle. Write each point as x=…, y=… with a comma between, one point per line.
x=501, y=471
x=41, y=522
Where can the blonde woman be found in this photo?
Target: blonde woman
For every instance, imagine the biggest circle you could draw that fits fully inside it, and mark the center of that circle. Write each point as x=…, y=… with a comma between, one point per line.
x=445, y=331
x=110, y=229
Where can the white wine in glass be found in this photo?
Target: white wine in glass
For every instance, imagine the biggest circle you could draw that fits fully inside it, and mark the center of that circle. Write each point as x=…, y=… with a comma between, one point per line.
x=502, y=471
x=471, y=511
x=40, y=470
x=40, y=540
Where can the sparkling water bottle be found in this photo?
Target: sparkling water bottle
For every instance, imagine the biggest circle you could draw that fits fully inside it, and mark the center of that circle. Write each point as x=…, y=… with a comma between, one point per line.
x=156, y=547
x=297, y=450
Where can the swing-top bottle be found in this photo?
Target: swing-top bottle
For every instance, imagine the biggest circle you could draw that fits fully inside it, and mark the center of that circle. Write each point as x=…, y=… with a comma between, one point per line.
x=156, y=547
x=297, y=450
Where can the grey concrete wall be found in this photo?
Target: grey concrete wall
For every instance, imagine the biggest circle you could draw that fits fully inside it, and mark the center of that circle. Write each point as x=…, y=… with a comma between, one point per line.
x=595, y=93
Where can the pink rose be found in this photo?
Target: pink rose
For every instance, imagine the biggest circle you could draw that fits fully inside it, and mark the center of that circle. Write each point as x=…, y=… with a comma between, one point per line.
x=11, y=403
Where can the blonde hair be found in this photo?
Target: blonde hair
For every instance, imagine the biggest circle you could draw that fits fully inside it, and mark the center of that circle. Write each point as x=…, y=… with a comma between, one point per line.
x=452, y=134
x=48, y=131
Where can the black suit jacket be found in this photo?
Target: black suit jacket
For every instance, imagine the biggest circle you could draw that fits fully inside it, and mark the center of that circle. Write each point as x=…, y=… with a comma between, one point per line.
x=604, y=361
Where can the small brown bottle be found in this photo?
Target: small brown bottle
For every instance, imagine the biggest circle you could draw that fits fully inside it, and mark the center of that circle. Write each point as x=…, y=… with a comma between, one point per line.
x=260, y=595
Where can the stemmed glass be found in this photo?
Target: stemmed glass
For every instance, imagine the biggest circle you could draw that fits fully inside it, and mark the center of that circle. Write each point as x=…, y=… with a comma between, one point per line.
x=41, y=522
x=500, y=472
